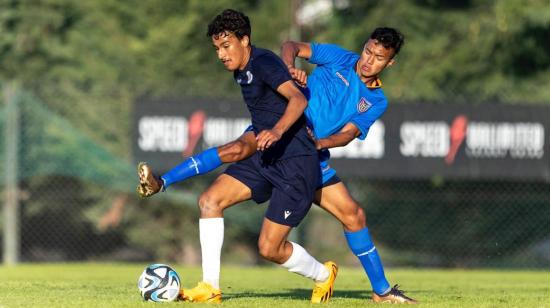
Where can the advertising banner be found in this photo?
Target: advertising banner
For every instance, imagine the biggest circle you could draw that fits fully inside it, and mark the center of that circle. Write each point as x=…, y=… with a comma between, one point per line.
x=410, y=141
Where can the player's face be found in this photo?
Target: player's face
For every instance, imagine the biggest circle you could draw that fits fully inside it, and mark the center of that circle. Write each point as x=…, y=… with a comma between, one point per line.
x=374, y=59
x=232, y=51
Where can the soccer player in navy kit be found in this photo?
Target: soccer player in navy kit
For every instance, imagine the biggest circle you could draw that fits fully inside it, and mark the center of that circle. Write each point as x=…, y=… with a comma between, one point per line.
x=346, y=99
x=284, y=170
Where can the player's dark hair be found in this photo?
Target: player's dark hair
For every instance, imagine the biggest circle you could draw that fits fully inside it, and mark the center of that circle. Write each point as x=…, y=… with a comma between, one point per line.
x=230, y=21
x=389, y=38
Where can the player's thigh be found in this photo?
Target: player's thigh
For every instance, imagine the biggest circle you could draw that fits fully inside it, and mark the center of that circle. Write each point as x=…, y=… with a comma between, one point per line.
x=238, y=149
x=337, y=200
x=224, y=192
x=295, y=181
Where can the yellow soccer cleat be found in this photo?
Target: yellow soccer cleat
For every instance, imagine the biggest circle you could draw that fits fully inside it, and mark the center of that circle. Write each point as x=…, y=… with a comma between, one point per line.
x=202, y=293
x=149, y=184
x=322, y=291
x=394, y=296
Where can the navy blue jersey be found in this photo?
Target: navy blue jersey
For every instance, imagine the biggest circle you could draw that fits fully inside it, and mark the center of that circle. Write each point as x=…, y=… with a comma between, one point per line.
x=259, y=81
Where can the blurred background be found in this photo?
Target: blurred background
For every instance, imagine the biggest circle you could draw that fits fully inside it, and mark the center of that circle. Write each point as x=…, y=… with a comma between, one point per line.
x=456, y=174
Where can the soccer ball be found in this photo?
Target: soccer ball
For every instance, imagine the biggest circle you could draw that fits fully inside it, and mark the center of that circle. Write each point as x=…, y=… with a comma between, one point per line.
x=159, y=283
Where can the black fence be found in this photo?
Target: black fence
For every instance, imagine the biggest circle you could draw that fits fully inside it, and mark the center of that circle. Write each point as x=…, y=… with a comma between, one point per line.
x=452, y=185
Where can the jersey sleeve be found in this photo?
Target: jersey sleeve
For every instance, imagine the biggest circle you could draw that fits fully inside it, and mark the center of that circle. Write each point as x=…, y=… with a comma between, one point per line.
x=365, y=120
x=328, y=54
x=272, y=71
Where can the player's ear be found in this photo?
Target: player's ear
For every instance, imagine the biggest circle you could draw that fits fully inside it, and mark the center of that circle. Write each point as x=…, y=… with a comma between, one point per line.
x=390, y=63
x=245, y=41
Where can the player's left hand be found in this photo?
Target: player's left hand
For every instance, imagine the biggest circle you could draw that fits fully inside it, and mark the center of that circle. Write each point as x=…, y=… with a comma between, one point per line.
x=266, y=138
x=299, y=76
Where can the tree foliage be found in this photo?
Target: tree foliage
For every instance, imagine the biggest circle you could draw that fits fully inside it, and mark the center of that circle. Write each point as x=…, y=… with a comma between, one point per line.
x=87, y=61
x=456, y=51
x=90, y=59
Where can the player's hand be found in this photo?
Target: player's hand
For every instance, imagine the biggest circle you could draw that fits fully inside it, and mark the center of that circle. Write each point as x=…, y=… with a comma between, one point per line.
x=299, y=76
x=312, y=136
x=266, y=138
x=310, y=133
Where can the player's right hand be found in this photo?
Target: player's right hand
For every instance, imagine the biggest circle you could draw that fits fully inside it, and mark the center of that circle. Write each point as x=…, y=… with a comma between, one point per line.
x=299, y=76
x=266, y=138
x=312, y=136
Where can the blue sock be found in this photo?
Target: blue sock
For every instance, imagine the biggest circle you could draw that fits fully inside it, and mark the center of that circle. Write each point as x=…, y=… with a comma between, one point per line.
x=360, y=243
x=201, y=163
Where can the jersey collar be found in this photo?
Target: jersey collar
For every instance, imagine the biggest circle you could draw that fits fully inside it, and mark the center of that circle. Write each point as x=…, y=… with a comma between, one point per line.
x=375, y=84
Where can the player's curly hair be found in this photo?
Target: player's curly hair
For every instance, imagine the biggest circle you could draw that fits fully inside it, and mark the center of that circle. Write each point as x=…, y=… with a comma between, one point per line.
x=389, y=38
x=230, y=21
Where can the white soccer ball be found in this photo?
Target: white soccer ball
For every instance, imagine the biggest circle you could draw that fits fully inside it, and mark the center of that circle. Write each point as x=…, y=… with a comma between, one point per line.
x=159, y=283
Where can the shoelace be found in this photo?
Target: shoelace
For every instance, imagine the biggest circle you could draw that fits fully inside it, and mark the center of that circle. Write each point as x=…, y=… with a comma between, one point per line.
x=395, y=291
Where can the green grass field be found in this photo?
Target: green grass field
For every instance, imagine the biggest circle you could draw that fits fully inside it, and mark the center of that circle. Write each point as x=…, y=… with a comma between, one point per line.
x=114, y=285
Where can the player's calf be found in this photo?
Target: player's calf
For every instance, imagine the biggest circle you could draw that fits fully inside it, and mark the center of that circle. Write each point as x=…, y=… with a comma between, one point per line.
x=237, y=150
x=273, y=252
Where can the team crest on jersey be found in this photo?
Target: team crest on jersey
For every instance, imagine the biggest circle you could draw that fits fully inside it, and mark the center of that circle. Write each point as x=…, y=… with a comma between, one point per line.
x=249, y=78
x=363, y=105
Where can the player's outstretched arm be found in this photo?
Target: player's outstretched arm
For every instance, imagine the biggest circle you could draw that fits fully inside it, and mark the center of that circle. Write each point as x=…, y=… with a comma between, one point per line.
x=340, y=139
x=289, y=51
x=297, y=103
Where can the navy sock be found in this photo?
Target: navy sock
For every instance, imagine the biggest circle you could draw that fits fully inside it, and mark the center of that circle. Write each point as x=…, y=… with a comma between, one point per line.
x=361, y=244
x=201, y=163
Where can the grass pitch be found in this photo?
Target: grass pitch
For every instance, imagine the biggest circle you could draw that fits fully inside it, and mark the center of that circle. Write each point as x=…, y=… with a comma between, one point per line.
x=114, y=285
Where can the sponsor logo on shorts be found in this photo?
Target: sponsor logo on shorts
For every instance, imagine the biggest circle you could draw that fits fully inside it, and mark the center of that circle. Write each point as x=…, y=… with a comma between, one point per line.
x=287, y=213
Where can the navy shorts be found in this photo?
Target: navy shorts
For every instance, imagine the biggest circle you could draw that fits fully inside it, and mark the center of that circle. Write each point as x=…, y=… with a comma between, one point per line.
x=290, y=183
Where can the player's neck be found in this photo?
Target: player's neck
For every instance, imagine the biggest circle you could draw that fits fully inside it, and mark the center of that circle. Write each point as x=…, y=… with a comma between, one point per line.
x=246, y=57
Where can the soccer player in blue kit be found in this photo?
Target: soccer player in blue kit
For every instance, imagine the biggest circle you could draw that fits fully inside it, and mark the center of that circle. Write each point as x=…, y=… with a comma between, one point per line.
x=345, y=99
x=284, y=170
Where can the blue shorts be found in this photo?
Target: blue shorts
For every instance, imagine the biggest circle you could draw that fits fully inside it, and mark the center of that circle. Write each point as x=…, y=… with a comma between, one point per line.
x=290, y=184
x=328, y=174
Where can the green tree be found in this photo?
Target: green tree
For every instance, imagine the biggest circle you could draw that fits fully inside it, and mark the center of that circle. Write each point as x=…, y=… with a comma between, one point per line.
x=456, y=51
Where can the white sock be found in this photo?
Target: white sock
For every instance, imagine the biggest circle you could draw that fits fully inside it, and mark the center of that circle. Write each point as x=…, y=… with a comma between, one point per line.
x=302, y=263
x=211, y=237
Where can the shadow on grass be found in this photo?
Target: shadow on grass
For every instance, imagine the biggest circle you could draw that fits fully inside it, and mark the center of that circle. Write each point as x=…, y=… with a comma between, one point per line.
x=300, y=294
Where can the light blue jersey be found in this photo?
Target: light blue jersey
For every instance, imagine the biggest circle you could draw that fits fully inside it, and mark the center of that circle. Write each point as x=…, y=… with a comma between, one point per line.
x=338, y=96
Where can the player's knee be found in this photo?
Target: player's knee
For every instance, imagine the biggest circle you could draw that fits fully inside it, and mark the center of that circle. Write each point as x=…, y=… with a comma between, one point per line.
x=209, y=205
x=354, y=219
